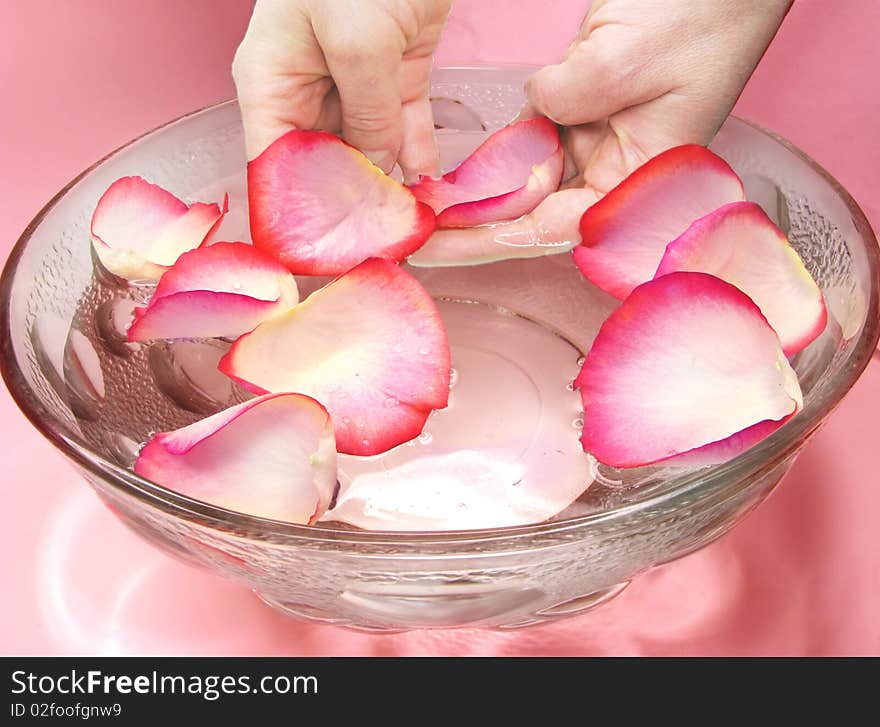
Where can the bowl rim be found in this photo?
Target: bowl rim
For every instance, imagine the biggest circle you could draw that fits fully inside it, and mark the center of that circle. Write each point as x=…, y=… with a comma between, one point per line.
x=707, y=482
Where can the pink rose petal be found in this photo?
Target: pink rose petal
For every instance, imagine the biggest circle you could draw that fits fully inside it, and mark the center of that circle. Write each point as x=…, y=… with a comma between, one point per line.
x=738, y=243
x=506, y=177
x=549, y=229
x=225, y=289
x=687, y=360
x=273, y=457
x=460, y=490
x=139, y=229
x=626, y=232
x=321, y=207
x=370, y=346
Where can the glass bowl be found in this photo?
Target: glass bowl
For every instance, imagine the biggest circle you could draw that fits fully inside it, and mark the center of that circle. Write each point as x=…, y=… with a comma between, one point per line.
x=94, y=396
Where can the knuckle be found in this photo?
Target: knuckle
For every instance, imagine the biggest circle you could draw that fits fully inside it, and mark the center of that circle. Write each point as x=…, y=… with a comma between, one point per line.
x=368, y=120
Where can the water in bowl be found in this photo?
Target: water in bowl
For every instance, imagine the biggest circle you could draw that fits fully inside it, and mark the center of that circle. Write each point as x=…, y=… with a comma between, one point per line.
x=517, y=330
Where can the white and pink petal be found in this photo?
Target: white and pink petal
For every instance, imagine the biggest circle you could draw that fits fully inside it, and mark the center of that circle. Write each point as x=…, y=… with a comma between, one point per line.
x=139, y=229
x=370, y=346
x=504, y=178
x=321, y=207
x=224, y=289
x=740, y=244
x=273, y=457
x=686, y=361
x=624, y=235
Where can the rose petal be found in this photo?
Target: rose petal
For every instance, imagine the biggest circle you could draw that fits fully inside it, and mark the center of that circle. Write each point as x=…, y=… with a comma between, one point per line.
x=549, y=229
x=138, y=229
x=505, y=177
x=224, y=289
x=321, y=207
x=273, y=456
x=738, y=243
x=370, y=346
x=457, y=491
x=626, y=232
x=490, y=459
x=685, y=361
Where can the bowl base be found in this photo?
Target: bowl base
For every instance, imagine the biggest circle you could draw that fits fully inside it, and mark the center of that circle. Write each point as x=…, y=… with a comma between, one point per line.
x=434, y=613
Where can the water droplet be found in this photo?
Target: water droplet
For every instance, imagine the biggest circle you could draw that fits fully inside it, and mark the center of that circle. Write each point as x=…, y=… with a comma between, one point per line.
x=426, y=437
x=423, y=351
x=346, y=420
x=453, y=377
x=570, y=386
x=578, y=423
x=391, y=402
x=581, y=361
x=365, y=442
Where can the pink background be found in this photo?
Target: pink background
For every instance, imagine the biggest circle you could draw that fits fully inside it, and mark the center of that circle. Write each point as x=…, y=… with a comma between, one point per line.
x=799, y=576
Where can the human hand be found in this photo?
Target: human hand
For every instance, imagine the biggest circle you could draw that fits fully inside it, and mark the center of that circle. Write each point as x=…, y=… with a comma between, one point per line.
x=361, y=67
x=641, y=76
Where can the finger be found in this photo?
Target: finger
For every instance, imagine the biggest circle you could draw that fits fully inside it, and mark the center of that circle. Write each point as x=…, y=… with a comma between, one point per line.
x=272, y=104
x=419, y=153
x=365, y=70
x=552, y=227
x=592, y=83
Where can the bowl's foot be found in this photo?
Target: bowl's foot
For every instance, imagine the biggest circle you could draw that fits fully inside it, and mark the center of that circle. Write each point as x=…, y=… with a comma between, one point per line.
x=434, y=612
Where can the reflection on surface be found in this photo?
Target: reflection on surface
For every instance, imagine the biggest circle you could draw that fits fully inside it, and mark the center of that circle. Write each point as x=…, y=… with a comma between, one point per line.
x=789, y=580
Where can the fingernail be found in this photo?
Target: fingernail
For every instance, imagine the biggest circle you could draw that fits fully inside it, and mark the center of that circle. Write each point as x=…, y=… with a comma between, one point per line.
x=381, y=159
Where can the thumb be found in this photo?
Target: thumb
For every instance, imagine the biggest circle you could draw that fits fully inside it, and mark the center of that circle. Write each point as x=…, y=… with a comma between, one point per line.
x=591, y=84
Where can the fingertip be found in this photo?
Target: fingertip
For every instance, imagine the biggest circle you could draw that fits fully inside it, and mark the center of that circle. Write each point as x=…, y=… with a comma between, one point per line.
x=385, y=160
x=545, y=96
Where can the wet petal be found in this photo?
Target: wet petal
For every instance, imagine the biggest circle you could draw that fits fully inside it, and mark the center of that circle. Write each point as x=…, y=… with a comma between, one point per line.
x=273, y=456
x=687, y=360
x=738, y=243
x=225, y=289
x=506, y=177
x=139, y=229
x=321, y=207
x=625, y=234
x=370, y=346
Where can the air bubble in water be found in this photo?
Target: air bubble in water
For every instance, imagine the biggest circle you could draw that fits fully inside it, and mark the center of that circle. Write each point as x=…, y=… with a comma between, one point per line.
x=391, y=402
x=580, y=361
x=426, y=437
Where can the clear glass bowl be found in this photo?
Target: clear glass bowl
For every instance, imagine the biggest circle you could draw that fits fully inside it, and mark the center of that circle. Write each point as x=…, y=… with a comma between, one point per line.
x=97, y=404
